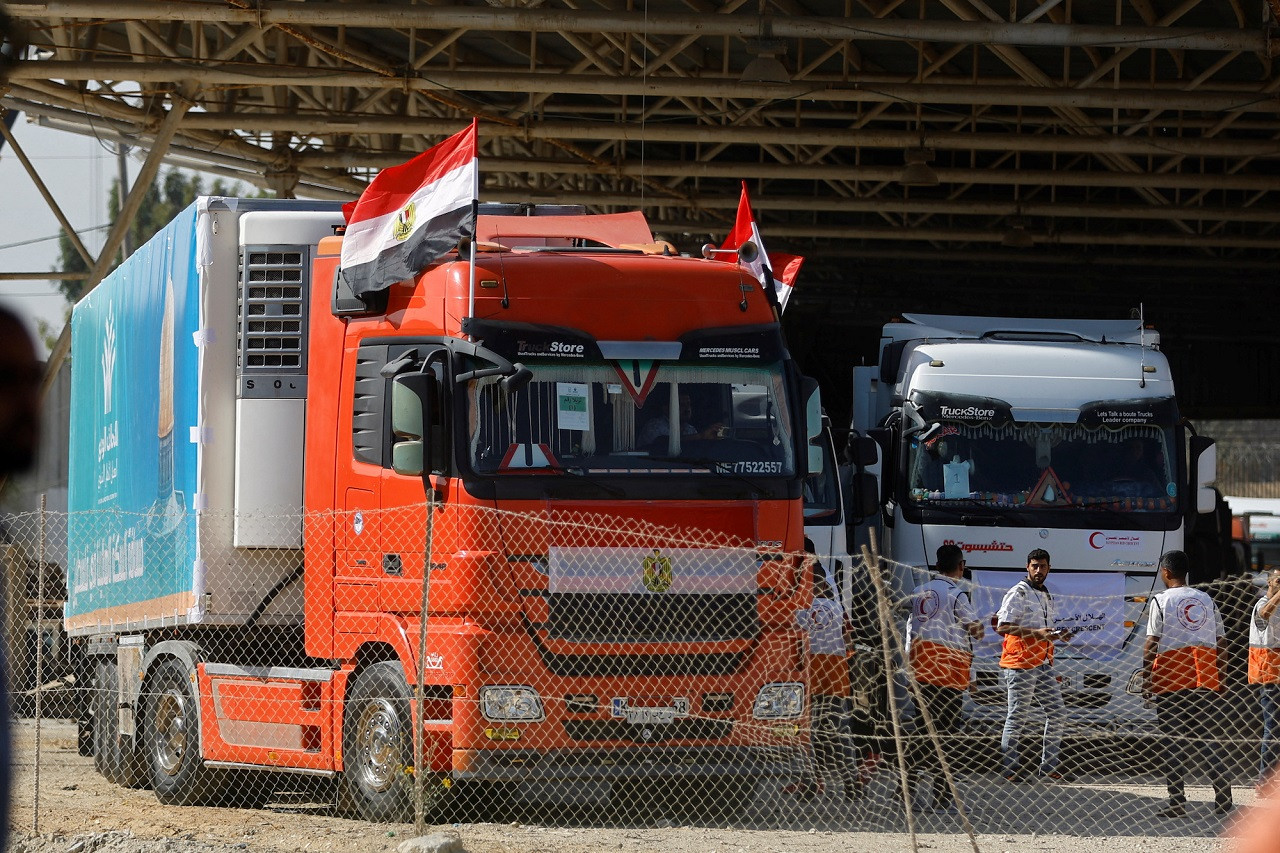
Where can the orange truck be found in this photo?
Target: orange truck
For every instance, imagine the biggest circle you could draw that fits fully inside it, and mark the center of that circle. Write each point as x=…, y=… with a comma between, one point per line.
x=593, y=446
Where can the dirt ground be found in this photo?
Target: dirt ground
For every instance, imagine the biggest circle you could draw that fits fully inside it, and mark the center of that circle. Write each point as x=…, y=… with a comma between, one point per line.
x=70, y=809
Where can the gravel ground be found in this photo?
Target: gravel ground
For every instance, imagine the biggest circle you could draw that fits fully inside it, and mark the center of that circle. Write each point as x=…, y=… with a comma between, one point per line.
x=79, y=812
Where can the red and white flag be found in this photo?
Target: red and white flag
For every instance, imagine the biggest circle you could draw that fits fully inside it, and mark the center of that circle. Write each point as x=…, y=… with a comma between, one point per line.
x=776, y=271
x=411, y=215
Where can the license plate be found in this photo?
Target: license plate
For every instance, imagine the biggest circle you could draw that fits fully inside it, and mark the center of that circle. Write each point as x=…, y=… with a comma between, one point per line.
x=642, y=711
x=650, y=716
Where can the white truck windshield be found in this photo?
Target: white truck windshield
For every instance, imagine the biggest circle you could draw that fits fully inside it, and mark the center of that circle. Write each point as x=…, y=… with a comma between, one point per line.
x=1129, y=468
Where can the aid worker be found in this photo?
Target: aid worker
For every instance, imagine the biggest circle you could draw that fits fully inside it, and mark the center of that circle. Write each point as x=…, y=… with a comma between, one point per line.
x=1264, y=671
x=1180, y=669
x=829, y=706
x=939, y=644
x=1026, y=621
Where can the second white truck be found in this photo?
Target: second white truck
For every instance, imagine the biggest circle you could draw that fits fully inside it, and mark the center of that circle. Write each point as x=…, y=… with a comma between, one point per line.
x=1005, y=435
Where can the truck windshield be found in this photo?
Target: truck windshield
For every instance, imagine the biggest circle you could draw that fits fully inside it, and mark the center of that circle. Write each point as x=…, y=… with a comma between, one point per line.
x=591, y=418
x=1130, y=468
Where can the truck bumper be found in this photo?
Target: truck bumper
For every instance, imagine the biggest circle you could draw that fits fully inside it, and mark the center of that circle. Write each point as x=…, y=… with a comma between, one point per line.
x=524, y=765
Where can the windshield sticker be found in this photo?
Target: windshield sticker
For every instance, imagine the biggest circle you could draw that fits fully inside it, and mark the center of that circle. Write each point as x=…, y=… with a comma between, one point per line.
x=1049, y=491
x=955, y=478
x=1119, y=413
x=573, y=406
x=728, y=352
x=637, y=377
x=1119, y=417
x=753, y=467
x=560, y=349
x=525, y=456
x=967, y=413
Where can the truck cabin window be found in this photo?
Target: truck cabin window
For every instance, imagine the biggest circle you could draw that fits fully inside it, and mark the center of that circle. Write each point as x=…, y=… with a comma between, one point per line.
x=1129, y=468
x=822, y=491
x=583, y=418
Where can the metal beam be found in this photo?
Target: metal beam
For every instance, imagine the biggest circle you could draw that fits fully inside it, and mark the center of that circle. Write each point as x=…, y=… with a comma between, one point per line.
x=852, y=91
x=1189, y=146
x=322, y=175
x=485, y=19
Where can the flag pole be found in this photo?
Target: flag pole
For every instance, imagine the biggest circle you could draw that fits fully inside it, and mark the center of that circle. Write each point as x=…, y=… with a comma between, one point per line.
x=471, y=288
x=771, y=289
x=475, y=220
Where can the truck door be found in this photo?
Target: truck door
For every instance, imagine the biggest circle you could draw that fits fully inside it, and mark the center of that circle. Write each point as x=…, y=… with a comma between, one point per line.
x=404, y=514
x=360, y=521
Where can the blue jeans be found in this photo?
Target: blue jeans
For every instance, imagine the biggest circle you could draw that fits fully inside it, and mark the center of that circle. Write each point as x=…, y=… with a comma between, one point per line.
x=1269, y=756
x=1040, y=686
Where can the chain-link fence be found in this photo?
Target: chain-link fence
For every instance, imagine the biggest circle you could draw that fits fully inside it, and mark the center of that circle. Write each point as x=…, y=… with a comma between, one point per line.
x=1249, y=469
x=575, y=669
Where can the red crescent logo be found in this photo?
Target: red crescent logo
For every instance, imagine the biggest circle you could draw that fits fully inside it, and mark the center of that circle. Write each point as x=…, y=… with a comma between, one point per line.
x=1093, y=540
x=1192, y=614
x=927, y=605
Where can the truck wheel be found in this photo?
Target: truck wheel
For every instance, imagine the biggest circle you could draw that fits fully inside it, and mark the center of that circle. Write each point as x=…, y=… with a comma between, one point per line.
x=377, y=745
x=171, y=739
x=114, y=760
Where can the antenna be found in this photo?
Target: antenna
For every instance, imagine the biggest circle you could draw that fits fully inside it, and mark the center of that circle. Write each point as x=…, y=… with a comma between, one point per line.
x=1142, y=345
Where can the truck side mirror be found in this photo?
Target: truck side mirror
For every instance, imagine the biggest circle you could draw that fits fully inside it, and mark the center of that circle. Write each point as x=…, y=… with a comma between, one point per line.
x=863, y=496
x=1204, y=461
x=883, y=437
x=413, y=398
x=517, y=380
x=406, y=458
x=813, y=423
x=862, y=452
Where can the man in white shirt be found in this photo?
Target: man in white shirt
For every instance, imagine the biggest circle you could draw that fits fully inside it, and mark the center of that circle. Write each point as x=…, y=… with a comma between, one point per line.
x=1180, y=671
x=1025, y=620
x=1264, y=672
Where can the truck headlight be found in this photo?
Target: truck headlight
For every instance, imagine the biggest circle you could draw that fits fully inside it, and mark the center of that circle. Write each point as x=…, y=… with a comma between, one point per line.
x=507, y=703
x=779, y=701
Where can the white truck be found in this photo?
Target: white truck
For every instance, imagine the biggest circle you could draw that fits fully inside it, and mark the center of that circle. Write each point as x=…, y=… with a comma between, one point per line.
x=1004, y=435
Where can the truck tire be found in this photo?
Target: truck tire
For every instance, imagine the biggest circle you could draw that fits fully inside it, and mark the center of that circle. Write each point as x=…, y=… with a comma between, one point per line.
x=377, y=746
x=171, y=739
x=112, y=759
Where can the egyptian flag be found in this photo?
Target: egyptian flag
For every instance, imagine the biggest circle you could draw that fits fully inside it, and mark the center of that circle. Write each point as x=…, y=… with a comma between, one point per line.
x=777, y=271
x=411, y=215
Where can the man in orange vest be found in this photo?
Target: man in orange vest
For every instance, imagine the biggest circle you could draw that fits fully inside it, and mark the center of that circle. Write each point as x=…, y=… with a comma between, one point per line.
x=1180, y=670
x=833, y=749
x=1264, y=671
x=940, y=654
x=1025, y=620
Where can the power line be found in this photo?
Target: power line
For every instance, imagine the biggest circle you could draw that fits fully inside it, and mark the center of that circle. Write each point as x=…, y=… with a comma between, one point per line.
x=54, y=237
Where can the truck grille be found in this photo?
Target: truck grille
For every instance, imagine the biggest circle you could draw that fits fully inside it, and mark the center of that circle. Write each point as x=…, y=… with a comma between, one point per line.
x=622, y=731
x=629, y=618
x=609, y=665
